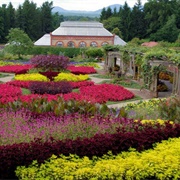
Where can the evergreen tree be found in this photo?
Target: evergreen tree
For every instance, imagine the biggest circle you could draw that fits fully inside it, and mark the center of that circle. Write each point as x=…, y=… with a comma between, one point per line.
x=138, y=23
x=4, y=27
x=169, y=32
x=125, y=16
x=103, y=14
x=46, y=17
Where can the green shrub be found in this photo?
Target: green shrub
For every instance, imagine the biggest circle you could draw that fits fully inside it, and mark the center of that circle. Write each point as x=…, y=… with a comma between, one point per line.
x=70, y=52
x=170, y=109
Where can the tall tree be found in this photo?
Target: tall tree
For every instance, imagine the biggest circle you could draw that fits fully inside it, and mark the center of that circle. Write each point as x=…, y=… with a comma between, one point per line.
x=169, y=32
x=46, y=17
x=10, y=16
x=125, y=16
x=4, y=25
x=138, y=23
x=20, y=19
x=32, y=21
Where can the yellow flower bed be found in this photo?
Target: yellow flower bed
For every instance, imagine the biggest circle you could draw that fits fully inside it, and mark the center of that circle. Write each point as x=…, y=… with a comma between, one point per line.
x=95, y=65
x=151, y=121
x=70, y=77
x=31, y=77
x=162, y=162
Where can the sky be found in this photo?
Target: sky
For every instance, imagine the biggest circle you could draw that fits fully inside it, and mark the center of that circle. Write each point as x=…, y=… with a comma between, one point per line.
x=87, y=5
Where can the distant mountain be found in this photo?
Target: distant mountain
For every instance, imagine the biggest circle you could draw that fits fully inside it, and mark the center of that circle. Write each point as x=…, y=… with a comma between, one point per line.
x=96, y=13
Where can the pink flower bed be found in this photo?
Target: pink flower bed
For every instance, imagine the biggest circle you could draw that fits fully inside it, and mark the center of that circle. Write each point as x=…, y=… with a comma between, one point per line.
x=15, y=68
x=81, y=70
x=9, y=93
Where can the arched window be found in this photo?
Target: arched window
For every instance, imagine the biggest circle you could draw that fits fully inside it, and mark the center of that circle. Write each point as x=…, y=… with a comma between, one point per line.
x=59, y=44
x=70, y=44
x=104, y=43
x=93, y=44
x=82, y=44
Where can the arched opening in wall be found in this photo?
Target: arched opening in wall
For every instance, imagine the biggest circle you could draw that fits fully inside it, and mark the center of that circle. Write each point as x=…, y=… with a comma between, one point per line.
x=93, y=44
x=71, y=44
x=104, y=43
x=82, y=44
x=116, y=64
x=165, y=84
x=60, y=44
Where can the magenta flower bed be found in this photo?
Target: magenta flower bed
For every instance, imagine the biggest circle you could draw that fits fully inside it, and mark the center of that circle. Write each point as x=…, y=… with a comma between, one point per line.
x=15, y=68
x=9, y=93
x=81, y=69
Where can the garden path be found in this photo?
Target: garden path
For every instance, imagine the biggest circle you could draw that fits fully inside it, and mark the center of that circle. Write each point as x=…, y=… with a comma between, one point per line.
x=7, y=78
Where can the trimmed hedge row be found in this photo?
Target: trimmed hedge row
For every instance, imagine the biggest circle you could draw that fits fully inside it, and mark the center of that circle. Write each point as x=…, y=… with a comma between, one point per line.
x=23, y=154
x=70, y=52
x=162, y=162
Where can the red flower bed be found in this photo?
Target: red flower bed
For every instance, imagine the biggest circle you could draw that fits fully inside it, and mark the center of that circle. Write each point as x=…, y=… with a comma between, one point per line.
x=9, y=93
x=24, y=153
x=94, y=93
x=81, y=84
x=81, y=69
x=106, y=92
x=25, y=84
x=15, y=68
x=17, y=83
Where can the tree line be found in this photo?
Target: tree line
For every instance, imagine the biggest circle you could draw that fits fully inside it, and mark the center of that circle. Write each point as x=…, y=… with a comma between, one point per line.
x=157, y=20
x=34, y=21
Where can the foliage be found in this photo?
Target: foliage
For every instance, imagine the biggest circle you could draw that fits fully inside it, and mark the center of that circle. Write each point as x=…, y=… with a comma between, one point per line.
x=50, y=87
x=144, y=109
x=170, y=109
x=111, y=47
x=69, y=52
x=141, y=137
x=94, y=52
x=19, y=42
x=162, y=162
x=50, y=62
x=169, y=32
